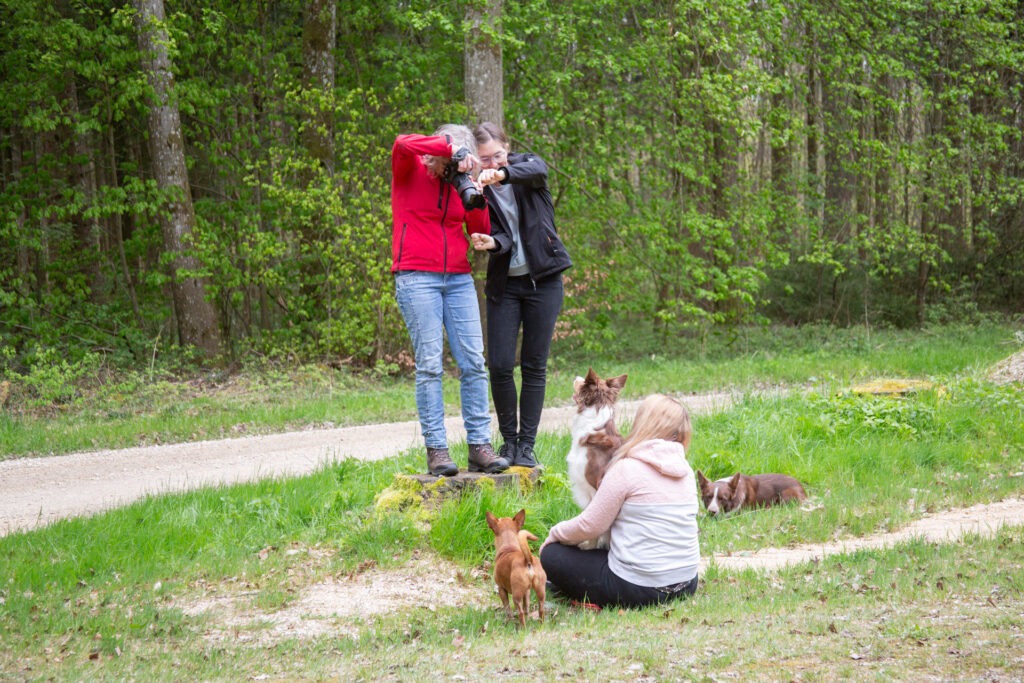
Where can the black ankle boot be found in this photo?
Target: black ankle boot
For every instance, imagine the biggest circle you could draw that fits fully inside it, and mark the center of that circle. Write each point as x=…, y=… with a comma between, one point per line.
x=507, y=452
x=525, y=456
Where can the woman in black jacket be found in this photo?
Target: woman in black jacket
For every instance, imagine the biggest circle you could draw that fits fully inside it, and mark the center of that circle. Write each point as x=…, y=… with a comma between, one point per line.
x=524, y=285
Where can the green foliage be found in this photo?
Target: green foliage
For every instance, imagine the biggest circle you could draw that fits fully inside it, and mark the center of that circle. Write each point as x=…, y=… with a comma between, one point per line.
x=54, y=381
x=334, y=288
x=712, y=166
x=846, y=416
x=658, y=239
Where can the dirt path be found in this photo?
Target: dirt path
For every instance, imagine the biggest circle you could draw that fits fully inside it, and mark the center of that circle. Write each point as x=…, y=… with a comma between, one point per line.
x=38, y=491
x=948, y=525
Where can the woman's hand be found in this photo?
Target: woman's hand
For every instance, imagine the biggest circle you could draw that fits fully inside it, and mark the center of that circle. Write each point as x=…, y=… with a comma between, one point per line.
x=482, y=242
x=468, y=162
x=491, y=176
x=547, y=541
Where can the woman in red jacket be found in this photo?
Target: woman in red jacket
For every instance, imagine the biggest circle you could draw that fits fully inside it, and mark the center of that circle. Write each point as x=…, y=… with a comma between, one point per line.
x=434, y=285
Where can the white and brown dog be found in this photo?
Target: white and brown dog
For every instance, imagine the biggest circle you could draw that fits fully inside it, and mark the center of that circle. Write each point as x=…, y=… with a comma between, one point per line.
x=740, y=490
x=594, y=438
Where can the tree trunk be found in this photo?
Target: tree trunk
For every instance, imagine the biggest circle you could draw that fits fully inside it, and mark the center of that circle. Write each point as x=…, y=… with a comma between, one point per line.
x=318, y=43
x=116, y=225
x=196, y=316
x=839, y=220
x=485, y=85
x=485, y=90
x=23, y=260
x=86, y=224
x=815, y=133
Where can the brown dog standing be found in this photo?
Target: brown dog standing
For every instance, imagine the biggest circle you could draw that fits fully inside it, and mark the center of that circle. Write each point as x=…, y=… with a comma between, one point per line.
x=516, y=570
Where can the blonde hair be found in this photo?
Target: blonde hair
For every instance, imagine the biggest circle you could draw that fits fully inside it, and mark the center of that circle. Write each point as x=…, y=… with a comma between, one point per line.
x=460, y=136
x=658, y=417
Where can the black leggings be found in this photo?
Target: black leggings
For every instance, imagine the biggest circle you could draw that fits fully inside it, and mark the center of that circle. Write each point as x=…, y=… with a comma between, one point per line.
x=584, y=575
x=534, y=306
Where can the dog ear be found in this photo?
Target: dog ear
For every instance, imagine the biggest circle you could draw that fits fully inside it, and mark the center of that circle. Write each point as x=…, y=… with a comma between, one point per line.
x=702, y=480
x=617, y=382
x=492, y=521
x=520, y=518
x=591, y=377
x=739, y=492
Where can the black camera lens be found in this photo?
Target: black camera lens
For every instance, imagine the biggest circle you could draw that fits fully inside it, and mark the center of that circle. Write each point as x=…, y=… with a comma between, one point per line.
x=471, y=197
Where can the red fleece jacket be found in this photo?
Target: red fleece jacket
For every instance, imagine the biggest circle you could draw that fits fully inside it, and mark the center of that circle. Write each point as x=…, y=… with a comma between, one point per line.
x=427, y=232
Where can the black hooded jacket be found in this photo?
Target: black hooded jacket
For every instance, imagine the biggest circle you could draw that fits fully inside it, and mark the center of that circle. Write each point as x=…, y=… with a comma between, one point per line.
x=546, y=256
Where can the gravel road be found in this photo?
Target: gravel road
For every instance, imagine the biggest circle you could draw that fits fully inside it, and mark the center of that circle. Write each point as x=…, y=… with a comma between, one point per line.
x=35, y=492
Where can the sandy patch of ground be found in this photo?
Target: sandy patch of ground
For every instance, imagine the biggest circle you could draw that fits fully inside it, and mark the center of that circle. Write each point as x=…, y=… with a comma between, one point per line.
x=1009, y=369
x=940, y=527
x=341, y=605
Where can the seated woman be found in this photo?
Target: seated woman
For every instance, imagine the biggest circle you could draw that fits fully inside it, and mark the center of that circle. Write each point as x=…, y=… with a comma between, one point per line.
x=648, y=502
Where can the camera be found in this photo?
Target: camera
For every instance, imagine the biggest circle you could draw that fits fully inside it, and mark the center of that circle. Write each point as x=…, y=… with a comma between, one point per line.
x=471, y=197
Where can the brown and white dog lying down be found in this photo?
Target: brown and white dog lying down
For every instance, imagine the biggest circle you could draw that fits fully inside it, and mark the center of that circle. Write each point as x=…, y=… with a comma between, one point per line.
x=594, y=438
x=740, y=490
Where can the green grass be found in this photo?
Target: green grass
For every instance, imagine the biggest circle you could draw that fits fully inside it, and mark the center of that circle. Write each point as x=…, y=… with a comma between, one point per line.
x=135, y=409
x=104, y=598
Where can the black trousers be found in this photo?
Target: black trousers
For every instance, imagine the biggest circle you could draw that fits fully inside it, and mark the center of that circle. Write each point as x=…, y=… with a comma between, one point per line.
x=584, y=575
x=534, y=308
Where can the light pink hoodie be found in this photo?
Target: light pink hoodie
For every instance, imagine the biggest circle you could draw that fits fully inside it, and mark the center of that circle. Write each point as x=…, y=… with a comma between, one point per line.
x=648, y=501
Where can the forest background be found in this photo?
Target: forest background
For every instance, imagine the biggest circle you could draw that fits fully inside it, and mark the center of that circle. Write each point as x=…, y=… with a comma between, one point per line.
x=210, y=180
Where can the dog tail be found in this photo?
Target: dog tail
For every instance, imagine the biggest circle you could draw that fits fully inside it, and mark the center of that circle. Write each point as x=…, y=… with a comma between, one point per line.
x=524, y=544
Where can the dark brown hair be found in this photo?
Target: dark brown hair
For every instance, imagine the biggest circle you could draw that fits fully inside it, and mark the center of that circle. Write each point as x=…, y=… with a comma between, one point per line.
x=488, y=131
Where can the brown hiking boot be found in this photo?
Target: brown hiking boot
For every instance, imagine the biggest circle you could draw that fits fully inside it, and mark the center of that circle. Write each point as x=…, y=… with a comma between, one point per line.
x=440, y=463
x=483, y=459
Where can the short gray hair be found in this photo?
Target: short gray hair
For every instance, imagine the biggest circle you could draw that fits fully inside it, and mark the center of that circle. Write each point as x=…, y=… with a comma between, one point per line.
x=461, y=136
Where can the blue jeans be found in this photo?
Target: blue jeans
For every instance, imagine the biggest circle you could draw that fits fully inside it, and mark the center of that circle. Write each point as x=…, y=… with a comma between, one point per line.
x=433, y=304
x=532, y=307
